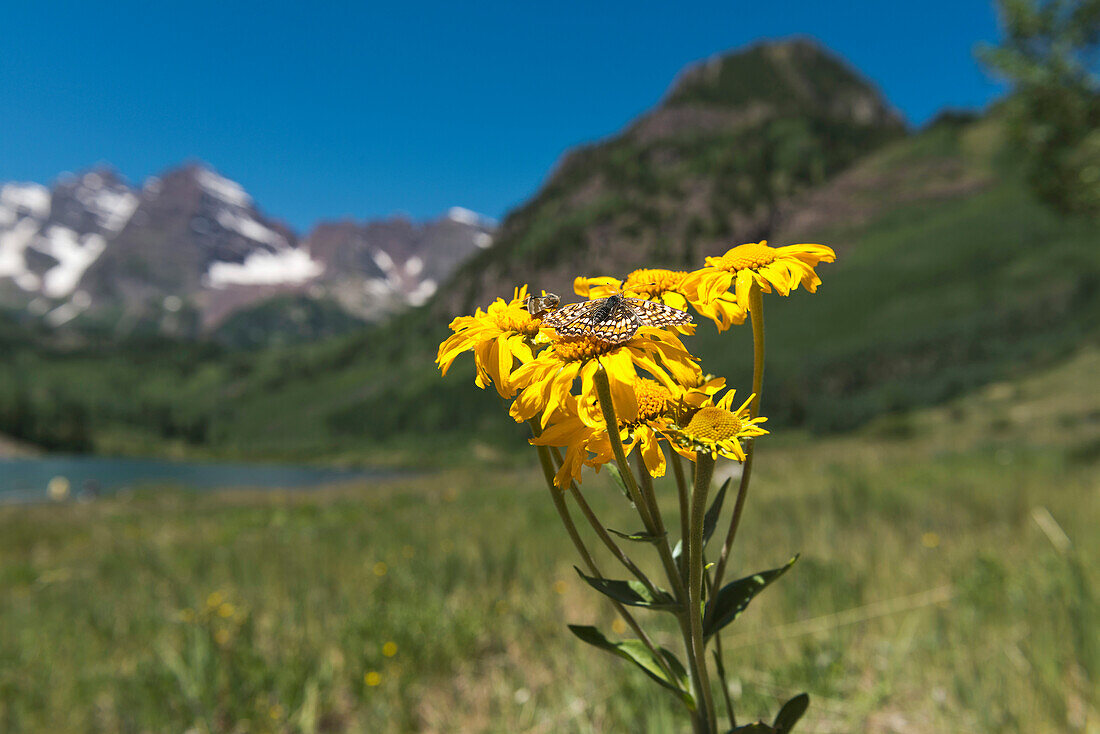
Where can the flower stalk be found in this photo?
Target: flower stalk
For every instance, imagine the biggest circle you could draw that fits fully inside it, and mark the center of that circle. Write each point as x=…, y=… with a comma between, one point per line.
x=756, y=313
x=600, y=380
x=607, y=406
x=704, y=470
x=578, y=543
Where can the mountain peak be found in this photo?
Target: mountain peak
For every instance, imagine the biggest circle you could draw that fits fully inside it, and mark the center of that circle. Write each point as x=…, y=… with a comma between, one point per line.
x=791, y=75
x=736, y=138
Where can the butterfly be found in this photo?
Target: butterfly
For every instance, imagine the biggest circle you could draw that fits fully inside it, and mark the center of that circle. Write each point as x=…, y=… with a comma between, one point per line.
x=538, y=306
x=614, y=319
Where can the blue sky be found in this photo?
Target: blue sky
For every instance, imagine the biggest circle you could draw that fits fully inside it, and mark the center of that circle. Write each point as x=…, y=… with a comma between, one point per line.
x=328, y=110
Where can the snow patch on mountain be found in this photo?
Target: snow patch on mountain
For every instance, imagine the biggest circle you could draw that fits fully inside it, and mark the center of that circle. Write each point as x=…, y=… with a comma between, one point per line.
x=248, y=227
x=228, y=191
x=68, y=311
x=112, y=208
x=470, y=218
x=74, y=254
x=383, y=260
x=13, y=244
x=27, y=198
x=291, y=265
x=424, y=290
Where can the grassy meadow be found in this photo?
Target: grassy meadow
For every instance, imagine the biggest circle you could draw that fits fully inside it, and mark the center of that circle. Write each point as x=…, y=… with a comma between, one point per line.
x=948, y=582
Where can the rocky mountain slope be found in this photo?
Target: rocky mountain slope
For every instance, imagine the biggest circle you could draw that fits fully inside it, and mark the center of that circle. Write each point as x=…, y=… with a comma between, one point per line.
x=190, y=249
x=734, y=140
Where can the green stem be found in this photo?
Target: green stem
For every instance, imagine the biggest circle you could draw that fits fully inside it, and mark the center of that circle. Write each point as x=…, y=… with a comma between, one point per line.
x=563, y=512
x=719, y=663
x=704, y=469
x=654, y=509
x=701, y=719
x=756, y=313
x=682, y=492
x=602, y=533
x=607, y=406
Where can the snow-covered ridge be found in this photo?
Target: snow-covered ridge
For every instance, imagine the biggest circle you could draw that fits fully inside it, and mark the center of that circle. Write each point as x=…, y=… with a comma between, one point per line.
x=26, y=198
x=228, y=191
x=470, y=218
x=93, y=237
x=25, y=226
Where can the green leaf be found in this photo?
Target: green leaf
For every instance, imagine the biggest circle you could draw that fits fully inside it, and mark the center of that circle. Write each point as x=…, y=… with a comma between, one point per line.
x=710, y=520
x=728, y=603
x=791, y=712
x=633, y=593
x=636, y=652
x=642, y=537
x=619, y=482
x=758, y=728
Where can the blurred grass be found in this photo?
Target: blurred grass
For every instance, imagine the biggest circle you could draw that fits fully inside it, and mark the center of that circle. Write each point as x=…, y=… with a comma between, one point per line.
x=262, y=611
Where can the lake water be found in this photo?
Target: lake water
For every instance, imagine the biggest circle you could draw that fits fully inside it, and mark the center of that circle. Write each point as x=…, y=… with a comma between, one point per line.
x=27, y=479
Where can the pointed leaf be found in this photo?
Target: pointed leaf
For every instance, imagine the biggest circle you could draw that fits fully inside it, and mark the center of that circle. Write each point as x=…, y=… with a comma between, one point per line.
x=633, y=593
x=619, y=481
x=636, y=652
x=791, y=712
x=732, y=599
x=758, y=728
x=710, y=520
x=642, y=537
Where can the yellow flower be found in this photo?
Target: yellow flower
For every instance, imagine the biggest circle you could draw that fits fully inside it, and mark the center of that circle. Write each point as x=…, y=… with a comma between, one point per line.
x=546, y=380
x=584, y=435
x=653, y=284
x=725, y=311
x=665, y=286
x=568, y=430
x=498, y=338
x=783, y=268
x=716, y=429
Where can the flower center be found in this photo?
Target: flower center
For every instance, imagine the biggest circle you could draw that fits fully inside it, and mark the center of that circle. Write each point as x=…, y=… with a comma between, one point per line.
x=752, y=256
x=650, y=282
x=713, y=424
x=653, y=398
x=581, y=348
x=517, y=320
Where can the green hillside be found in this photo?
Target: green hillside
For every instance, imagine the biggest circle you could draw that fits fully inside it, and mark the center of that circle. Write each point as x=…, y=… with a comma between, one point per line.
x=733, y=141
x=966, y=282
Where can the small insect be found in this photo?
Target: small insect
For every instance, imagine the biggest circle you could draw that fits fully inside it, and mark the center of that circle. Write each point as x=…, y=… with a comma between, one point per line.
x=614, y=319
x=538, y=306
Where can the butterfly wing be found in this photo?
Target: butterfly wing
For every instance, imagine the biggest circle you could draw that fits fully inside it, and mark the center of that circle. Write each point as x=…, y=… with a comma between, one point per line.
x=592, y=318
x=652, y=313
x=562, y=317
